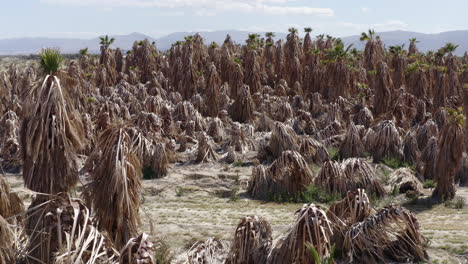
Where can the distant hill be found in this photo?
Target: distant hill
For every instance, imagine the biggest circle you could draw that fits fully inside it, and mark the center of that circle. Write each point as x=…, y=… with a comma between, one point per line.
x=426, y=41
x=25, y=46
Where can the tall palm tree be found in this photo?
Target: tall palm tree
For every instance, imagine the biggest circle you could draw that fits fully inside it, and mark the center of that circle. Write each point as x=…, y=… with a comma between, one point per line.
x=413, y=41
x=106, y=41
x=308, y=30
x=270, y=35
x=449, y=156
x=51, y=134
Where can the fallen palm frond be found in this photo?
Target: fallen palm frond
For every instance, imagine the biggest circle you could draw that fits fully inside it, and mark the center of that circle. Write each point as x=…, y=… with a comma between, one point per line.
x=312, y=227
x=52, y=133
x=404, y=180
x=288, y=174
x=213, y=251
x=138, y=250
x=392, y=234
x=61, y=231
x=252, y=241
x=119, y=173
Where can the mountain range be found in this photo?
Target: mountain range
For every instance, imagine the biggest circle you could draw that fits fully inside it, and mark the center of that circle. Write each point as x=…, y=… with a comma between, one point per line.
x=26, y=46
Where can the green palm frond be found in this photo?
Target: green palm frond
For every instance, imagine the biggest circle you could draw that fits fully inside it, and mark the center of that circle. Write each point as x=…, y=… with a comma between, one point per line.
x=51, y=60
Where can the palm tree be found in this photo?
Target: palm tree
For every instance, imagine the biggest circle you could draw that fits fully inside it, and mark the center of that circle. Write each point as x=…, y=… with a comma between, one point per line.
x=450, y=48
x=308, y=30
x=413, y=41
x=449, y=156
x=396, y=50
x=253, y=40
x=84, y=52
x=270, y=35
x=292, y=30
x=51, y=134
x=188, y=39
x=367, y=36
x=106, y=41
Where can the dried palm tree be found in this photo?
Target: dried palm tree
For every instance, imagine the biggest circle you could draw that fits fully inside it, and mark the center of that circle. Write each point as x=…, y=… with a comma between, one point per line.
x=404, y=180
x=312, y=227
x=390, y=235
x=119, y=173
x=252, y=241
x=212, y=251
x=51, y=133
x=449, y=157
x=288, y=174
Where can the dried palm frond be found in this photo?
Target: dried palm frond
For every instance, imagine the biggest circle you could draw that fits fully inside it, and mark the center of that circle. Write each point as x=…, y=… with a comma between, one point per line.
x=425, y=132
x=138, y=250
x=160, y=160
x=363, y=117
x=404, y=180
x=240, y=138
x=283, y=138
x=7, y=253
x=411, y=152
x=288, y=174
x=243, y=107
x=205, y=152
x=119, y=173
x=392, y=234
x=332, y=178
x=10, y=204
x=385, y=142
x=312, y=227
x=355, y=207
x=231, y=155
x=252, y=241
x=51, y=133
x=62, y=231
x=212, y=251
x=216, y=130
x=363, y=176
x=449, y=157
x=313, y=150
x=352, y=144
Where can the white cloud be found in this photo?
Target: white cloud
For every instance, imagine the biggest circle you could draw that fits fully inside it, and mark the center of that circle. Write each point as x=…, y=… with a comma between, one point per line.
x=273, y=7
x=365, y=9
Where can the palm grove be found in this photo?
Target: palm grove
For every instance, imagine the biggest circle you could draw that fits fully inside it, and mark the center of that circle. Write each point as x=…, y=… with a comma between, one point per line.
x=105, y=122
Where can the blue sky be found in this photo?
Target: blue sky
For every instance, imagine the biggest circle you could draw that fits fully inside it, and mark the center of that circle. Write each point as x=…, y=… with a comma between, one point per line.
x=90, y=18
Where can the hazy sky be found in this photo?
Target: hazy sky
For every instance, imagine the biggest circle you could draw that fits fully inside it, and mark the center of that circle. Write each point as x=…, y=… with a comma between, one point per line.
x=89, y=18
